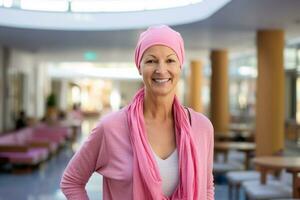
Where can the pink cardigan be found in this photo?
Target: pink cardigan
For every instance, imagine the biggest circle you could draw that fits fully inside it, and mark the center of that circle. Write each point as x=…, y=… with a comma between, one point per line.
x=108, y=151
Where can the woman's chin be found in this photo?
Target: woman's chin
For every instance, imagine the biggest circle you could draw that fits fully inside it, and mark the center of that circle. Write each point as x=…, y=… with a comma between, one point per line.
x=161, y=92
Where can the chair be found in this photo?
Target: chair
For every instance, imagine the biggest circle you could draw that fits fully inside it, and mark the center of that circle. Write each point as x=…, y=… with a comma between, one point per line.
x=273, y=189
x=235, y=178
x=233, y=163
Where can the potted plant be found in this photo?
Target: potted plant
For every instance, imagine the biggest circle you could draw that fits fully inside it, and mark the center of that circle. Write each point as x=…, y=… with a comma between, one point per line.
x=51, y=108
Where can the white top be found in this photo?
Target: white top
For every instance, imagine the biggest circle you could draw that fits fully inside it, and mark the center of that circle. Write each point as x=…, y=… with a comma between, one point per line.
x=169, y=173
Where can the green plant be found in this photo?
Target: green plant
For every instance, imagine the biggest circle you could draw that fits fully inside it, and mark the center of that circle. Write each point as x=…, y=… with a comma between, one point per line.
x=51, y=100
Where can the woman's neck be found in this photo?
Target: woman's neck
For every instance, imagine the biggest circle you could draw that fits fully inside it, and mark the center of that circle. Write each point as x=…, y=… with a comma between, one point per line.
x=158, y=108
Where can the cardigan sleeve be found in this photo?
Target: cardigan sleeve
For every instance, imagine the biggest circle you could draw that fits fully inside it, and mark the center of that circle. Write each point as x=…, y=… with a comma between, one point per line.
x=201, y=122
x=91, y=157
x=210, y=180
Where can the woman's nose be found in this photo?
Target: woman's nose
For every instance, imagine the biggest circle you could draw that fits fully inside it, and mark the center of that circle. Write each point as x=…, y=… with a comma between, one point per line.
x=160, y=67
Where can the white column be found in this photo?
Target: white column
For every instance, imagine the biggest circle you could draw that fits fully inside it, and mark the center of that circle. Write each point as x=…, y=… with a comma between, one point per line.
x=115, y=96
x=28, y=92
x=63, y=96
x=6, y=120
x=41, y=89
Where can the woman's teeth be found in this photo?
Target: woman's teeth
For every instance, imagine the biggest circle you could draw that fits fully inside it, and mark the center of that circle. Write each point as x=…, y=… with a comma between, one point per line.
x=161, y=80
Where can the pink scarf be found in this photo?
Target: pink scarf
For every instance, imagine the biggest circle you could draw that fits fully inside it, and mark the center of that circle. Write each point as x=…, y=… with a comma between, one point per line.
x=147, y=184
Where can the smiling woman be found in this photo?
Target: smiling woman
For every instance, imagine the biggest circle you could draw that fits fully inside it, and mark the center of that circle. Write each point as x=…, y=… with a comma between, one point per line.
x=154, y=148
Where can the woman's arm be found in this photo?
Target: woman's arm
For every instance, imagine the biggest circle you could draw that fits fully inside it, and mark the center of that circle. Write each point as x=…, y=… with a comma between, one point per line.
x=91, y=157
x=210, y=179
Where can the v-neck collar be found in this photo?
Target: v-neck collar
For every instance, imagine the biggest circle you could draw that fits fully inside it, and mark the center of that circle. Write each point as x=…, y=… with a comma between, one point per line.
x=168, y=158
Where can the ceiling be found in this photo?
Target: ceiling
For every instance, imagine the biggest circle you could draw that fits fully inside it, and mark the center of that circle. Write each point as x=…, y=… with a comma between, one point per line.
x=233, y=27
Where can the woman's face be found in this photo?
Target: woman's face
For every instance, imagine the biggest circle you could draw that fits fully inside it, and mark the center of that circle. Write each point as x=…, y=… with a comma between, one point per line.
x=160, y=69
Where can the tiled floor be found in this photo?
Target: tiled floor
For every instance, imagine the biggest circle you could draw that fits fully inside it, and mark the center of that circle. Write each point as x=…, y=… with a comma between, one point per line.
x=43, y=184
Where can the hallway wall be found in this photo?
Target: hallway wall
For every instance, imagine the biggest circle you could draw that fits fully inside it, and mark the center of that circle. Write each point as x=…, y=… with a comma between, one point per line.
x=1, y=89
x=26, y=89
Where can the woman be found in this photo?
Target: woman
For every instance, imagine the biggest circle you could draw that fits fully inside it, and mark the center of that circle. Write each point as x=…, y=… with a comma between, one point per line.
x=154, y=148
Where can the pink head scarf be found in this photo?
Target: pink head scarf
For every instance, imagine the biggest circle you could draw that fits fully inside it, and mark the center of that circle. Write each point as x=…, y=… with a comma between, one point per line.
x=159, y=35
x=147, y=184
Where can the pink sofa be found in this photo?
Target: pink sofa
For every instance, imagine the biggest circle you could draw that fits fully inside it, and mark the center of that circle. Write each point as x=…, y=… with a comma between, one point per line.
x=32, y=145
x=16, y=151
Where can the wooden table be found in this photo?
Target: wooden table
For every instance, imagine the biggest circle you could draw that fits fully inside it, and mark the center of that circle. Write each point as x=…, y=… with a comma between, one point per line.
x=270, y=163
x=234, y=135
x=235, y=127
x=246, y=147
x=228, y=137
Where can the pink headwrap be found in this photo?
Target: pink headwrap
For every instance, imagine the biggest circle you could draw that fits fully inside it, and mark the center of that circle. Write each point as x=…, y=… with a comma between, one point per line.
x=159, y=35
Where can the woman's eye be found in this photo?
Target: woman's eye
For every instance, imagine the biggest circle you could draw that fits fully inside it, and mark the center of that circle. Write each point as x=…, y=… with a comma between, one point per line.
x=150, y=61
x=170, y=60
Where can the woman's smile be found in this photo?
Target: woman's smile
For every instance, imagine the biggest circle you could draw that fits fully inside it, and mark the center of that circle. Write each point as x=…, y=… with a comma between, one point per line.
x=161, y=80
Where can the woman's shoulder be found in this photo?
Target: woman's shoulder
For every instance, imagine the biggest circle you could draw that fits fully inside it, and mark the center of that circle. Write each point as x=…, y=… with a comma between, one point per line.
x=116, y=119
x=111, y=125
x=199, y=120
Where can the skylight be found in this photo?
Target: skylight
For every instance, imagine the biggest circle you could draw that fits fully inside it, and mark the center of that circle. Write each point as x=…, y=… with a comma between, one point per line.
x=126, y=5
x=104, y=14
x=45, y=5
x=97, y=5
x=106, y=6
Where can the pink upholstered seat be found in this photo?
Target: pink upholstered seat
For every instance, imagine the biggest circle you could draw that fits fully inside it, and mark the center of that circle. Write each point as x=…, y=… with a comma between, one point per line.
x=31, y=157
